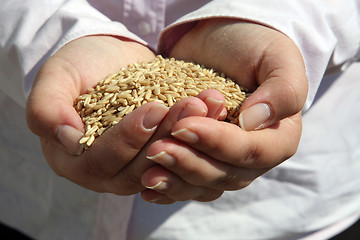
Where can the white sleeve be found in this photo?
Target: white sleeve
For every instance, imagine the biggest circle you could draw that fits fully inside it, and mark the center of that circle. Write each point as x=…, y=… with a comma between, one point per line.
x=327, y=32
x=31, y=30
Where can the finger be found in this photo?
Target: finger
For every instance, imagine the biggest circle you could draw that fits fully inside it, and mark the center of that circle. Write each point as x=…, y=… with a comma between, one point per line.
x=110, y=152
x=152, y=196
x=120, y=144
x=215, y=103
x=198, y=169
x=50, y=111
x=67, y=74
x=259, y=58
x=128, y=179
x=282, y=87
x=172, y=187
x=223, y=115
x=229, y=143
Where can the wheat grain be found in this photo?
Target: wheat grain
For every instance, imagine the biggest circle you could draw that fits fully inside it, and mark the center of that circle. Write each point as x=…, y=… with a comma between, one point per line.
x=162, y=80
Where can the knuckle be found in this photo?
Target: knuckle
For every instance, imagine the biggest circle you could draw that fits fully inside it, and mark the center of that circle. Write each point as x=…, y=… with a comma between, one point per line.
x=225, y=182
x=95, y=169
x=130, y=136
x=293, y=99
x=256, y=158
x=231, y=183
x=214, y=148
x=235, y=178
x=230, y=180
x=209, y=195
x=191, y=175
x=126, y=184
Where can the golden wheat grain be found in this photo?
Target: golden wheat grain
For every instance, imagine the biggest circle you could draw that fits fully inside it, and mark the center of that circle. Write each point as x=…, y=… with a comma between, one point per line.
x=163, y=80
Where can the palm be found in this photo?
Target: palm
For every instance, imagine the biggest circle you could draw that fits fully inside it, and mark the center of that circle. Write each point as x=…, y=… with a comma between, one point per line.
x=257, y=57
x=68, y=73
x=268, y=63
x=116, y=161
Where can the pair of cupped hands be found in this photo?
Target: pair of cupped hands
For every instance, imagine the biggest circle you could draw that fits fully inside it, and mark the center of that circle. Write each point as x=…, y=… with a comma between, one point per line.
x=186, y=152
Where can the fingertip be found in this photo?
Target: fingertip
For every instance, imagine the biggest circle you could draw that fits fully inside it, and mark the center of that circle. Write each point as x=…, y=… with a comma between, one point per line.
x=152, y=196
x=69, y=137
x=215, y=102
x=255, y=117
x=213, y=93
x=215, y=107
x=223, y=114
x=133, y=131
x=154, y=116
x=156, y=184
x=193, y=109
x=159, y=186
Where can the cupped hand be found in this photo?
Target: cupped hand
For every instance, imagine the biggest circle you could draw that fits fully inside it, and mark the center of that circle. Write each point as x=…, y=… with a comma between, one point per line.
x=117, y=159
x=128, y=180
x=205, y=153
x=73, y=69
x=259, y=58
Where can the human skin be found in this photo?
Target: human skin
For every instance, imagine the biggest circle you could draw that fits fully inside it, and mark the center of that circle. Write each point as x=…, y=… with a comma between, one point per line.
x=50, y=114
x=126, y=159
x=210, y=154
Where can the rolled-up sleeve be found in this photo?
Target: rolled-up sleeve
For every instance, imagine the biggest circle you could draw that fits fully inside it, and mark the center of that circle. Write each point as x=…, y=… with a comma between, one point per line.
x=326, y=32
x=31, y=30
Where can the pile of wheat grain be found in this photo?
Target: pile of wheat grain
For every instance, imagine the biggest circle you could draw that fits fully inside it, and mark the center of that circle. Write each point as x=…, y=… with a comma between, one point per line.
x=163, y=80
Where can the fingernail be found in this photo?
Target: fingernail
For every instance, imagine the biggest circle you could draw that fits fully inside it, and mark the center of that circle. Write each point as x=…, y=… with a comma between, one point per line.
x=160, y=186
x=192, y=110
x=216, y=105
x=186, y=135
x=162, y=158
x=155, y=200
x=254, y=117
x=223, y=114
x=69, y=138
x=154, y=116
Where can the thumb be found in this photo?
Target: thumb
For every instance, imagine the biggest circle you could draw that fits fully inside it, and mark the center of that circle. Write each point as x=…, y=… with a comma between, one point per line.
x=50, y=113
x=282, y=87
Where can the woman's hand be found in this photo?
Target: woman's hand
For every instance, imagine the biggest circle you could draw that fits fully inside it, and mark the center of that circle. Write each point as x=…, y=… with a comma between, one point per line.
x=205, y=154
x=117, y=159
x=73, y=69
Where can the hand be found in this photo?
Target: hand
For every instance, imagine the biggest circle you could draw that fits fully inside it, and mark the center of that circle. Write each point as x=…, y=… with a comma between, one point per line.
x=116, y=160
x=50, y=114
x=208, y=154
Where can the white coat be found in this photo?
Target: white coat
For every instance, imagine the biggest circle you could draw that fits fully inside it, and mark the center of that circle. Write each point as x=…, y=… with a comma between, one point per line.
x=313, y=195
